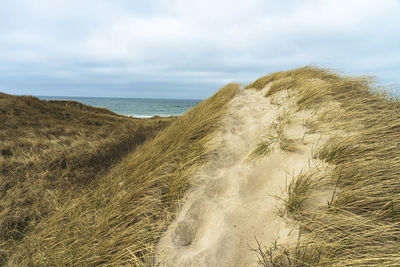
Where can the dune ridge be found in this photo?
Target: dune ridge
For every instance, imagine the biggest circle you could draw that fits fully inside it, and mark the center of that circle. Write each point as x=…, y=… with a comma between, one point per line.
x=233, y=201
x=299, y=168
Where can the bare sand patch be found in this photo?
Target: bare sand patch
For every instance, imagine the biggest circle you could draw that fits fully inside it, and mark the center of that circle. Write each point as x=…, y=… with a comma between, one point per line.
x=233, y=198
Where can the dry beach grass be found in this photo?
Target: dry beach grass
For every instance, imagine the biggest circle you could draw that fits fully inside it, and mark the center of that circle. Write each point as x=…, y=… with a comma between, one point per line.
x=359, y=226
x=119, y=221
x=52, y=152
x=84, y=187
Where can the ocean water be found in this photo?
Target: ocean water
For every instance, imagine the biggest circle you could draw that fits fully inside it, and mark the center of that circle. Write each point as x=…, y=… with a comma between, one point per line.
x=137, y=107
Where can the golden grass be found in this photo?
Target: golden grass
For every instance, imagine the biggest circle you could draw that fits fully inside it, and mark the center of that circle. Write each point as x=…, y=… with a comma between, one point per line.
x=53, y=151
x=361, y=224
x=120, y=221
x=62, y=206
x=298, y=192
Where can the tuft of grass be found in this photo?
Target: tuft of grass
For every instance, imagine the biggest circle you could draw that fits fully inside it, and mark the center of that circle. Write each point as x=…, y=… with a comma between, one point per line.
x=276, y=135
x=120, y=220
x=263, y=148
x=297, y=192
x=279, y=255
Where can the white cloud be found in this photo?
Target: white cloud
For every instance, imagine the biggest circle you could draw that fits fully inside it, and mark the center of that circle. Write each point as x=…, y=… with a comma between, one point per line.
x=131, y=38
x=182, y=41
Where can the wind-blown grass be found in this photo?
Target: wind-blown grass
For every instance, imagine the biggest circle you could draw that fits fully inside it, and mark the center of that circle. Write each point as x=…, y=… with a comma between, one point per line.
x=53, y=151
x=361, y=224
x=118, y=214
x=120, y=221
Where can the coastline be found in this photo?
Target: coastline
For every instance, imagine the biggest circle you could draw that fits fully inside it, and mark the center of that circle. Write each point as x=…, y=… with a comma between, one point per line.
x=135, y=107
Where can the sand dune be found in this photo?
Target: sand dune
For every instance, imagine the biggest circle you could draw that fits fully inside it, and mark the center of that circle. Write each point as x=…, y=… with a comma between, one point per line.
x=234, y=198
x=300, y=168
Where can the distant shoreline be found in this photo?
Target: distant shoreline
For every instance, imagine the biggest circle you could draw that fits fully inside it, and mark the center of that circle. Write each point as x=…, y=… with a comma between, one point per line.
x=135, y=107
x=51, y=97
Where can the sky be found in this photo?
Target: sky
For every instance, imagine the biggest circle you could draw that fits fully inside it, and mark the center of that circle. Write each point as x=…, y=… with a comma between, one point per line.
x=187, y=48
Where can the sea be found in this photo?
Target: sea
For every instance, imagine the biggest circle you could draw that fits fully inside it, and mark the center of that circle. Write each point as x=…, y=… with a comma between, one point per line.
x=136, y=107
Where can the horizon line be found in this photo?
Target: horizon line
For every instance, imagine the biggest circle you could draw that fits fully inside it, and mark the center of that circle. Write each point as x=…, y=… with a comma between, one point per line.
x=119, y=97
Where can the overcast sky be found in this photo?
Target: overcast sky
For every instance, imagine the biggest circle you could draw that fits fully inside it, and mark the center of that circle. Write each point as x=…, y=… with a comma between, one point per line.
x=186, y=48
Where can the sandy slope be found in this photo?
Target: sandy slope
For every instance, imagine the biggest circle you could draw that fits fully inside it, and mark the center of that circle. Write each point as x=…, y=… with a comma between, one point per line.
x=232, y=199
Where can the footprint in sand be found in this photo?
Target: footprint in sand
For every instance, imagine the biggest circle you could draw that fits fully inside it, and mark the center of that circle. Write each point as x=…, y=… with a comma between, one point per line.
x=185, y=231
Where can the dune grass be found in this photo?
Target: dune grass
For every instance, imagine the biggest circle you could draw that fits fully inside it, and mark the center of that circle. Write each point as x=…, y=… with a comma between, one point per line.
x=53, y=151
x=298, y=192
x=120, y=220
x=361, y=224
x=276, y=135
x=77, y=190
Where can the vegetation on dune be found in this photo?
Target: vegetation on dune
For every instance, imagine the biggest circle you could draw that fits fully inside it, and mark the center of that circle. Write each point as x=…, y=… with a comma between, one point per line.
x=76, y=189
x=53, y=151
x=360, y=224
x=120, y=220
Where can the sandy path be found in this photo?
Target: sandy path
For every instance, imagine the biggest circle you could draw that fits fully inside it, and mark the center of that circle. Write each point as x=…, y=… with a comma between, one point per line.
x=232, y=198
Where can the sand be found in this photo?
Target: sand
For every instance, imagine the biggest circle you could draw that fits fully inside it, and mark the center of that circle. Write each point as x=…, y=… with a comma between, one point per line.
x=234, y=198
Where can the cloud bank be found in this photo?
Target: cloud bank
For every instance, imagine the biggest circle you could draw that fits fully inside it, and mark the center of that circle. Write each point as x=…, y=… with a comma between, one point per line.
x=187, y=49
